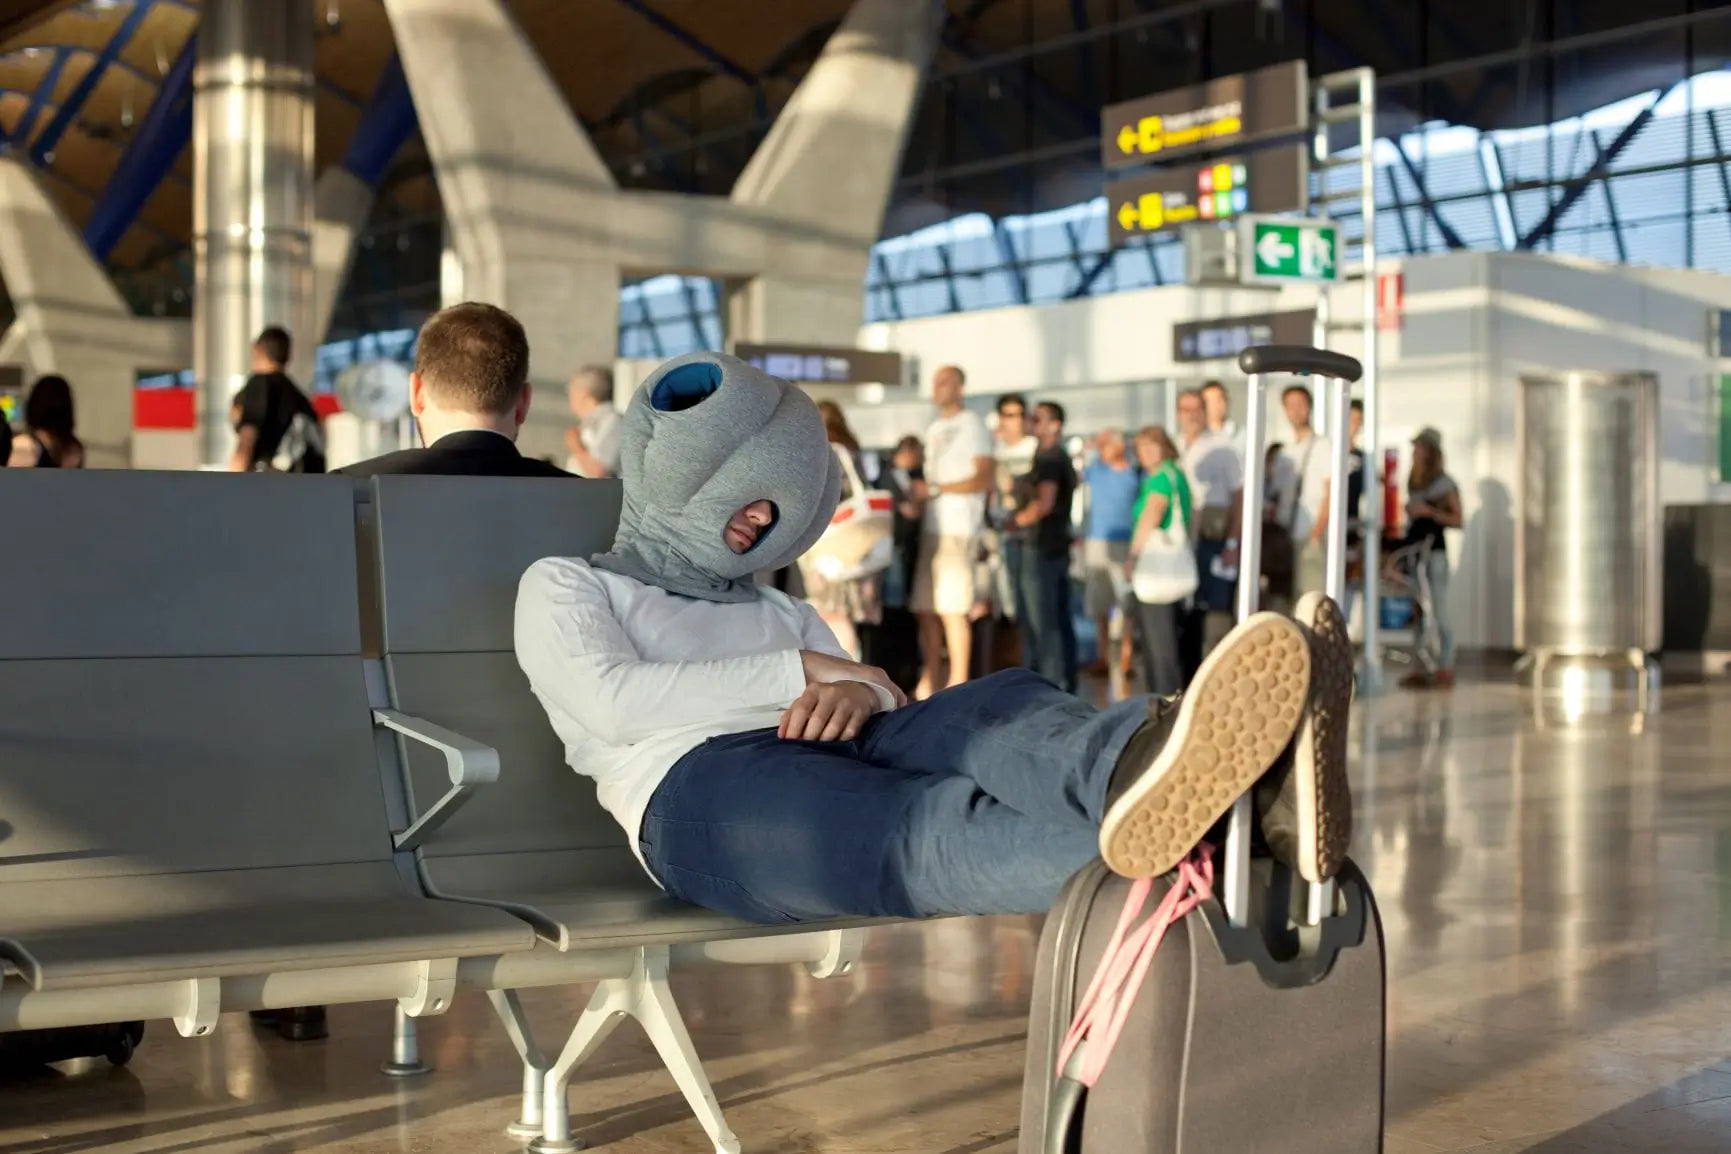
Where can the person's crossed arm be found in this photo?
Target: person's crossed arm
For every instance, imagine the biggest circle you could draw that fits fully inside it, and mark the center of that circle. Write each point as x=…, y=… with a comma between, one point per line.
x=578, y=657
x=840, y=695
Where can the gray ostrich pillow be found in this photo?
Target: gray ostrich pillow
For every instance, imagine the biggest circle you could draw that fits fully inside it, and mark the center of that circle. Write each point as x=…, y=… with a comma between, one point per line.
x=705, y=436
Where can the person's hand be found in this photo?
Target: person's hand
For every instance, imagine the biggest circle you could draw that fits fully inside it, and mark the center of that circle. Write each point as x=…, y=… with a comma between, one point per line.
x=829, y=712
x=825, y=669
x=573, y=440
x=982, y=609
x=1229, y=556
x=920, y=490
x=909, y=509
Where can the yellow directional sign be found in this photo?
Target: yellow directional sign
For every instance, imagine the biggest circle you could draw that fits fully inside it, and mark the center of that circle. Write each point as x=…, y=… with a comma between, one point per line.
x=1152, y=135
x=1233, y=110
x=1272, y=180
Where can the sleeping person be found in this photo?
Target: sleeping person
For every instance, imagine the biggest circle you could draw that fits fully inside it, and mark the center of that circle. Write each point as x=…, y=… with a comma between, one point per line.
x=760, y=772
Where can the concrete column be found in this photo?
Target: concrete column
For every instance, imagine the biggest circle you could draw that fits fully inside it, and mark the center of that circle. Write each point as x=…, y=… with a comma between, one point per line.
x=342, y=205
x=253, y=196
x=526, y=196
x=829, y=163
x=539, y=226
x=71, y=320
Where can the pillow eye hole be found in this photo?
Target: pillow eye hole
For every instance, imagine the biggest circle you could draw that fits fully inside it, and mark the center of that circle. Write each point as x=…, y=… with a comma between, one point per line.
x=685, y=387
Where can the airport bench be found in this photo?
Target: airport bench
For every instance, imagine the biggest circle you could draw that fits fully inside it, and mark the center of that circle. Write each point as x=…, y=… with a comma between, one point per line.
x=232, y=706
x=528, y=842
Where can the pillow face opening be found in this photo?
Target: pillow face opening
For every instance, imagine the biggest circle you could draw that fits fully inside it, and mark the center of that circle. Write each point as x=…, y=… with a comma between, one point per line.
x=686, y=387
x=774, y=520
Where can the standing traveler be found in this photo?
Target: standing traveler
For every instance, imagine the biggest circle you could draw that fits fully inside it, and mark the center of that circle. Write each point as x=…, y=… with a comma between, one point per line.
x=594, y=443
x=848, y=604
x=1214, y=467
x=1433, y=504
x=1301, y=493
x=49, y=439
x=1112, y=483
x=958, y=476
x=275, y=427
x=1049, y=629
x=1165, y=497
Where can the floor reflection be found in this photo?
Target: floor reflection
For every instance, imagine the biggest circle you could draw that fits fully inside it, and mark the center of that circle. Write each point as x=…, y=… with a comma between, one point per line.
x=1557, y=903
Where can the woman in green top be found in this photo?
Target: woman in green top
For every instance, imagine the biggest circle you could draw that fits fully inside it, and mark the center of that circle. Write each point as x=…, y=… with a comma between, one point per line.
x=1165, y=492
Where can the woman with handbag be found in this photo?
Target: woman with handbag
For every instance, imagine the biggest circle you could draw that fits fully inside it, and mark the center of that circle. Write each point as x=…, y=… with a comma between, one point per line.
x=845, y=583
x=1162, y=565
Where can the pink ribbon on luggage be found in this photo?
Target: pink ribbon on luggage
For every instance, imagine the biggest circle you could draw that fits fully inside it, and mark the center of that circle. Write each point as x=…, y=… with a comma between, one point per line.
x=1104, y=1008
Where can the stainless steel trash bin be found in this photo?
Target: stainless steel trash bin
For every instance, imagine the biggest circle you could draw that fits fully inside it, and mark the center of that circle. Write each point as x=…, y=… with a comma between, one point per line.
x=1587, y=546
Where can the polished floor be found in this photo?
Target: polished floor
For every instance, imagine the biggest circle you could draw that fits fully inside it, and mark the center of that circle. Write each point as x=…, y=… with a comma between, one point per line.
x=1557, y=903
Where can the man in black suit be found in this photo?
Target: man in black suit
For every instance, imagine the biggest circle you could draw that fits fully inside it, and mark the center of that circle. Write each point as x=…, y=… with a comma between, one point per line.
x=469, y=392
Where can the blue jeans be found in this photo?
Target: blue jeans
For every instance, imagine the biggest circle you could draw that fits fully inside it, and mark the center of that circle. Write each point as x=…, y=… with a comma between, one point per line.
x=983, y=799
x=1048, y=621
x=1440, y=627
x=1013, y=555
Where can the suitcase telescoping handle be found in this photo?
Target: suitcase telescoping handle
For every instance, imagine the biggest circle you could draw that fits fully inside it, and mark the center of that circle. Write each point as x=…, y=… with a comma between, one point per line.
x=1262, y=359
x=1257, y=362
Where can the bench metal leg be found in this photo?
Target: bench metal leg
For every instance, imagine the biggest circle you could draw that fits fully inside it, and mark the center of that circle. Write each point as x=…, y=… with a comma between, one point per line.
x=510, y=1010
x=645, y=995
x=405, y=1059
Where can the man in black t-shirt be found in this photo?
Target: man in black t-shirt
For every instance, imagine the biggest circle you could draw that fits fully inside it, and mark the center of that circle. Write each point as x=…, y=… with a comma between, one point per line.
x=1049, y=631
x=275, y=426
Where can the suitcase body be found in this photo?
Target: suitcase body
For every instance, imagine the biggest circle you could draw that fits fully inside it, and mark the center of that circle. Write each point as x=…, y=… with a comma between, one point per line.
x=1262, y=1030
x=1228, y=1048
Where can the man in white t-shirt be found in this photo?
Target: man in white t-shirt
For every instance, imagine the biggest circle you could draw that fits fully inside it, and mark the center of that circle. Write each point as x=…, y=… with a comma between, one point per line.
x=1214, y=466
x=1301, y=491
x=959, y=475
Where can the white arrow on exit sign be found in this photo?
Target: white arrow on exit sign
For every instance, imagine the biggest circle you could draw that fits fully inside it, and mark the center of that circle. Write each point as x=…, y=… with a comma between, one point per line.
x=1273, y=249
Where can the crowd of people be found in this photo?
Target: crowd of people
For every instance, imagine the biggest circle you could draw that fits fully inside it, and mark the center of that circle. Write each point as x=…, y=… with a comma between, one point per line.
x=995, y=529
x=998, y=527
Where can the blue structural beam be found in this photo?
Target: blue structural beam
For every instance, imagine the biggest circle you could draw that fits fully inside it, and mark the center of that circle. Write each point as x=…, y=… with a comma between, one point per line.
x=74, y=103
x=43, y=93
x=1092, y=274
x=686, y=37
x=1449, y=235
x=161, y=137
x=1600, y=167
x=386, y=123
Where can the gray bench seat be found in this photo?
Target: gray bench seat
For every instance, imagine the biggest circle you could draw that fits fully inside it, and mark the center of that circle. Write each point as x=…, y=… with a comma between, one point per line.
x=66, y=935
x=190, y=779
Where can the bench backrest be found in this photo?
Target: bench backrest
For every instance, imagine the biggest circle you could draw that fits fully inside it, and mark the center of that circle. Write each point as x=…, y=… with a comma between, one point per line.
x=181, y=688
x=450, y=552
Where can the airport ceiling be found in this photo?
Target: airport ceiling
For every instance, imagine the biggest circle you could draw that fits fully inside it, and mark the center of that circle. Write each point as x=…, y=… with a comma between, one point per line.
x=676, y=93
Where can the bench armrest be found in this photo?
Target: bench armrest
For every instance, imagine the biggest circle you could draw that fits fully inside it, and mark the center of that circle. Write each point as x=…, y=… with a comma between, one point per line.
x=468, y=762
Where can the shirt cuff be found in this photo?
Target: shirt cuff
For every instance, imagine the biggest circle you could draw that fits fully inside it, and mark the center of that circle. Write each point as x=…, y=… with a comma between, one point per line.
x=886, y=699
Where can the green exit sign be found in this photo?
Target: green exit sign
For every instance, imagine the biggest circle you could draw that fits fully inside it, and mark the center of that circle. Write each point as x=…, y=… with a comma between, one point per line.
x=1284, y=249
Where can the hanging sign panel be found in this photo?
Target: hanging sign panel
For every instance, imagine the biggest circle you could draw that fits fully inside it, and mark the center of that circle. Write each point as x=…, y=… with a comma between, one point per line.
x=1223, y=337
x=1223, y=113
x=1271, y=181
x=818, y=365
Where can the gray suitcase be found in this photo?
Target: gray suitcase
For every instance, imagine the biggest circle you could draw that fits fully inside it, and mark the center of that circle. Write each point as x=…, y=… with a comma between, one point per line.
x=1259, y=1024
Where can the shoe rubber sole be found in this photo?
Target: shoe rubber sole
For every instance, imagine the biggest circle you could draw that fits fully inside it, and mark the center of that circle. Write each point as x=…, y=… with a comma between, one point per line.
x=1237, y=717
x=1322, y=795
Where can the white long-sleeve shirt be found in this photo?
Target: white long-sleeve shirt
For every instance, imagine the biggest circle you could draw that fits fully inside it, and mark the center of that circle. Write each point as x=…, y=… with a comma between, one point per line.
x=634, y=677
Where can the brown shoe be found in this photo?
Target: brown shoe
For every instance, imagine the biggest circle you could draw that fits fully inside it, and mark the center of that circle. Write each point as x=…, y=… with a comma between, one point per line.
x=1305, y=802
x=1184, y=767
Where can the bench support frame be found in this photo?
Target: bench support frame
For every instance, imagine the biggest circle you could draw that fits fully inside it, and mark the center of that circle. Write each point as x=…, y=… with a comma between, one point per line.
x=509, y=1007
x=646, y=996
